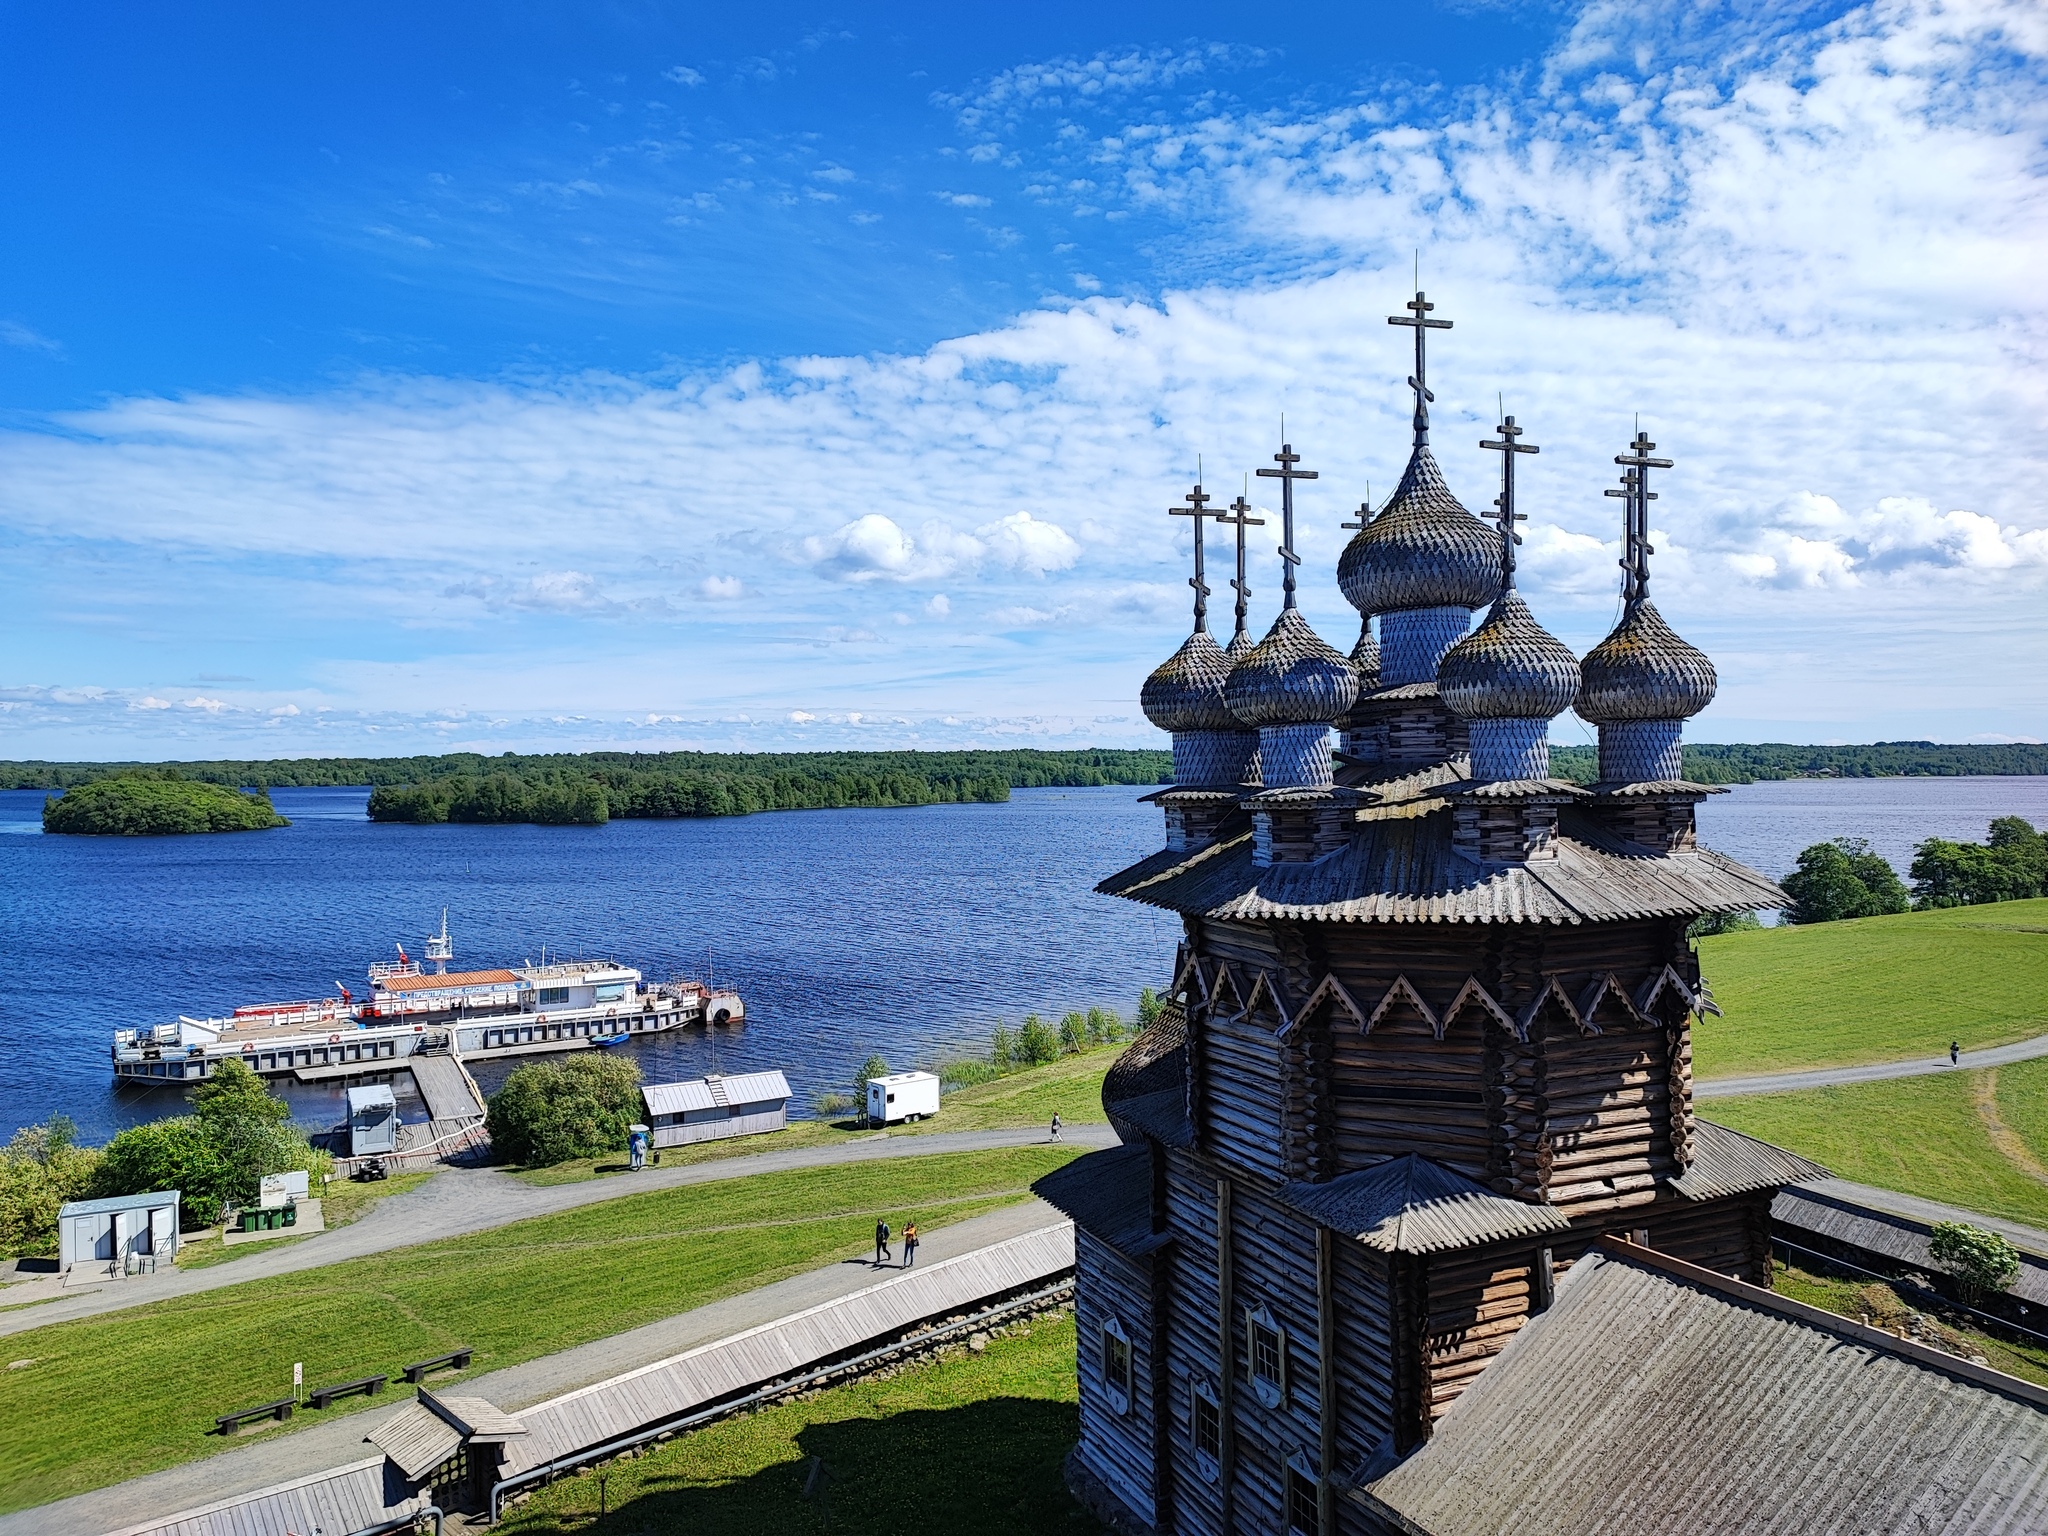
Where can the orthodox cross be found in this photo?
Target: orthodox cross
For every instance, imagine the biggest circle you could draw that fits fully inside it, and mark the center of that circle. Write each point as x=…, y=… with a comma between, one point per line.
x=1506, y=515
x=1198, y=508
x=1419, y=380
x=1287, y=474
x=1636, y=496
x=1364, y=510
x=1243, y=519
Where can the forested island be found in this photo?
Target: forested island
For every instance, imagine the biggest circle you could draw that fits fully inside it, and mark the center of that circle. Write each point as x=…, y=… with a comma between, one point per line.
x=135, y=804
x=1709, y=762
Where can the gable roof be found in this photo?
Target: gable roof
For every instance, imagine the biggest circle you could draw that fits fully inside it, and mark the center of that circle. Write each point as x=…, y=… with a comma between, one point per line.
x=1409, y=1204
x=1655, y=1395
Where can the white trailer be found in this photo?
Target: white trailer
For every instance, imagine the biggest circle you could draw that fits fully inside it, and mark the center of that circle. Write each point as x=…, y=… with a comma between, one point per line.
x=902, y=1096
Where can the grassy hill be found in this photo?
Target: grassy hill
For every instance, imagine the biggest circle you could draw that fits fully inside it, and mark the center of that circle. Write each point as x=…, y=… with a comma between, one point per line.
x=1875, y=989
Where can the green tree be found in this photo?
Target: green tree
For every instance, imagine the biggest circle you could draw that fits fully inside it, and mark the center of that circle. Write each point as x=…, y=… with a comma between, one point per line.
x=168, y=1154
x=2011, y=865
x=874, y=1066
x=1981, y=1262
x=155, y=806
x=1002, y=1049
x=1148, y=1009
x=1842, y=879
x=1073, y=1033
x=1037, y=1043
x=41, y=1169
x=1707, y=926
x=214, y=1157
x=549, y=1112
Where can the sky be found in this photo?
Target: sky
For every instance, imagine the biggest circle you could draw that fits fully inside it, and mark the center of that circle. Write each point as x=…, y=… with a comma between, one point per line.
x=382, y=379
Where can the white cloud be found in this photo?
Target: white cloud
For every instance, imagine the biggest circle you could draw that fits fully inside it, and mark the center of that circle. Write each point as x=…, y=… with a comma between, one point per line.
x=1022, y=543
x=937, y=606
x=211, y=706
x=149, y=701
x=721, y=589
x=800, y=717
x=14, y=334
x=964, y=199
x=682, y=74
x=286, y=710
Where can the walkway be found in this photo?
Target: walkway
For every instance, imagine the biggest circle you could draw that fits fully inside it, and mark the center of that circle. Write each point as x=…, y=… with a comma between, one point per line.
x=314, y=1441
x=1912, y=1207
x=457, y=1201
x=1828, y=1077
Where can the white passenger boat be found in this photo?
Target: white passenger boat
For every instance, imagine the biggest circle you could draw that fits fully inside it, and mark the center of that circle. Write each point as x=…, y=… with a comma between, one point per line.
x=559, y=1005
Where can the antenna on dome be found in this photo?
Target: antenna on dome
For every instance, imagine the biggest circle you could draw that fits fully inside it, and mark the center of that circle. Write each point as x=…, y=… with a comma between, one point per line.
x=1504, y=504
x=1198, y=508
x=1419, y=380
x=1241, y=516
x=1287, y=474
x=1636, y=496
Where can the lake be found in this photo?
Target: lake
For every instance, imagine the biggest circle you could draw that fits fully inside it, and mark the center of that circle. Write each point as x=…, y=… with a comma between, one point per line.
x=904, y=932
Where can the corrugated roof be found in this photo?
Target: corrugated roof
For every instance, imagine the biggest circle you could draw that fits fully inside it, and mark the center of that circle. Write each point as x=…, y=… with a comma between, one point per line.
x=739, y=1088
x=1109, y=1195
x=1409, y=1204
x=452, y=979
x=1400, y=867
x=1803, y=1214
x=1726, y=1162
x=118, y=1203
x=351, y=1498
x=1654, y=1396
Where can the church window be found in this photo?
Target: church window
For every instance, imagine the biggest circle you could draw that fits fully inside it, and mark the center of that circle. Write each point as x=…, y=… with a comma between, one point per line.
x=1206, y=1422
x=1265, y=1347
x=1304, y=1514
x=1116, y=1365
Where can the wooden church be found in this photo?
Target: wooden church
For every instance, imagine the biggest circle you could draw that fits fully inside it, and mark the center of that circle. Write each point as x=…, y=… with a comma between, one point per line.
x=1427, y=1049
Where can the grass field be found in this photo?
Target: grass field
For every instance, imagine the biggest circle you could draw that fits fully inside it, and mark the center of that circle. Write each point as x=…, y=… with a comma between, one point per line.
x=958, y=1442
x=1929, y=1136
x=1876, y=989
x=341, y=1202
x=512, y=1293
x=1072, y=1085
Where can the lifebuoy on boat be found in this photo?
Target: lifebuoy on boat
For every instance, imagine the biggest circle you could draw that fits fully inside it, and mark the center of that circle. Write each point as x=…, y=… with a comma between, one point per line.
x=540, y=1018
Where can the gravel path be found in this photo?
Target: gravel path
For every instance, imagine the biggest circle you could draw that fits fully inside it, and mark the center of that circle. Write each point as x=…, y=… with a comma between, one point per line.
x=462, y=1200
x=1828, y=1077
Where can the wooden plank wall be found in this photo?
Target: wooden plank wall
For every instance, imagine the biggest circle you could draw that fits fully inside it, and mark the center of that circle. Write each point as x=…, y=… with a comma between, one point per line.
x=1274, y=1259
x=1477, y=1302
x=1191, y=1336
x=1400, y=1089
x=1118, y=1446
x=1607, y=1108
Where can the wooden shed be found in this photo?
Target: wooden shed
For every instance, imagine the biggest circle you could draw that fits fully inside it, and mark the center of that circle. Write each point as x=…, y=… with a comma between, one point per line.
x=712, y=1108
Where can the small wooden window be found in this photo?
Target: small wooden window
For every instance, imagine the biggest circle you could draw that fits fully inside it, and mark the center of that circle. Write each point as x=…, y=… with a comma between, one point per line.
x=1265, y=1348
x=1304, y=1511
x=1116, y=1365
x=1206, y=1423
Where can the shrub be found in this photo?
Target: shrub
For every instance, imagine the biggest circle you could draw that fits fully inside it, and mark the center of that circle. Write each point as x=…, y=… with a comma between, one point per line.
x=40, y=1170
x=550, y=1112
x=1980, y=1261
x=966, y=1073
x=1842, y=879
x=1722, y=922
x=1003, y=1049
x=1036, y=1042
x=829, y=1104
x=1073, y=1033
x=1113, y=1030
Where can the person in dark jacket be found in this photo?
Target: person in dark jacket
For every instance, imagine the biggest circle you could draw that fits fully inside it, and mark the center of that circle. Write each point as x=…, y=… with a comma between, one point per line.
x=881, y=1241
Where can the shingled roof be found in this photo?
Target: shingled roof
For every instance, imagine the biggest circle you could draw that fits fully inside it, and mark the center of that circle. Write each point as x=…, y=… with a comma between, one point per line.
x=1109, y=1196
x=1411, y=1205
x=1400, y=867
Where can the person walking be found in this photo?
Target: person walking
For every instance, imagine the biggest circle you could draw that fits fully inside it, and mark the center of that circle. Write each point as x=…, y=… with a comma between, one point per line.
x=909, y=1244
x=1955, y=1053
x=882, y=1241
x=1055, y=1125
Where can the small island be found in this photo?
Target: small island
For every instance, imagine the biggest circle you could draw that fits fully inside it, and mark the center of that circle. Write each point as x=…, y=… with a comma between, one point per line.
x=156, y=807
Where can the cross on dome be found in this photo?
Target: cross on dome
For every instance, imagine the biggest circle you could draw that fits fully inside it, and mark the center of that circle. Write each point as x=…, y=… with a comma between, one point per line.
x=1198, y=508
x=1243, y=519
x=1287, y=474
x=1636, y=496
x=1364, y=510
x=1504, y=504
x=1419, y=380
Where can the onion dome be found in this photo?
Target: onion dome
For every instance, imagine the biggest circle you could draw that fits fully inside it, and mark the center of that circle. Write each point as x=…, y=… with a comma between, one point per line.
x=1290, y=678
x=1365, y=657
x=1423, y=550
x=1185, y=693
x=1510, y=667
x=1644, y=671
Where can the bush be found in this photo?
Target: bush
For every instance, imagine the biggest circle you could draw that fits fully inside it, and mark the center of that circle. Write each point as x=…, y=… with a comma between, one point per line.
x=1073, y=1033
x=40, y=1169
x=966, y=1073
x=1003, y=1049
x=133, y=806
x=1842, y=879
x=1722, y=922
x=829, y=1104
x=1113, y=1028
x=1036, y=1042
x=1980, y=1261
x=551, y=1112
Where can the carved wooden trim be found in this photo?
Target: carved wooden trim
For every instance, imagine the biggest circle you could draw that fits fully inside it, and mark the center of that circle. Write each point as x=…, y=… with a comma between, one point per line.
x=1645, y=1000
x=1191, y=967
x=1473, y=992
x=1332, y=989
x=1225, y=977
x=1551, y=990
x=1402, y=987
x=1266, y=986
x=1597, y=992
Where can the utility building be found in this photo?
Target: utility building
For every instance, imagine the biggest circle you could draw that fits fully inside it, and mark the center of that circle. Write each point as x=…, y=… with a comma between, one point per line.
x=1425, y=1074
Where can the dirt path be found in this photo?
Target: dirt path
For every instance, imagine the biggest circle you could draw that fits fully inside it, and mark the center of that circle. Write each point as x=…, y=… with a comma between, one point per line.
x=1984, y=1095
x=1829, y=1077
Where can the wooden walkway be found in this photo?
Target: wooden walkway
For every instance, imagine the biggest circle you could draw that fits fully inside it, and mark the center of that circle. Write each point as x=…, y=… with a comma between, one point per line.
x=448, y=1092
x=360, y=1496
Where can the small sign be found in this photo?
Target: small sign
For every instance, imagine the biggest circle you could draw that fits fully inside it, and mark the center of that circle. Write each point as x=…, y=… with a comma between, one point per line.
x=275, y=1189
x=298, y=1375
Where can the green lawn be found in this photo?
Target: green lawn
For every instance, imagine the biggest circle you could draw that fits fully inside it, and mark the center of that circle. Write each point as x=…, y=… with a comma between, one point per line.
x=958, y=1442
x=1876, y=989
x=1072, y=1085
x=341, y=1202
x=112, y=1397
x=1922, y=1135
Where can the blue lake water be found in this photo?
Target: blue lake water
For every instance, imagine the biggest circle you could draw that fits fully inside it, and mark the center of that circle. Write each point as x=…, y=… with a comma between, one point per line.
x=908, y=932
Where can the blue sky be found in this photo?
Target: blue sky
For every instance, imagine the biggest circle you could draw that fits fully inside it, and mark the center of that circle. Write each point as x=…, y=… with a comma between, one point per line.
x=387, y=379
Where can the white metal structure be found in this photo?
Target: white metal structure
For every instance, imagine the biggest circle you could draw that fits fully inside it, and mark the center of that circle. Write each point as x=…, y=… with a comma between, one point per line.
x=111, y=1234
x=372, y=1121
x=902, y=1096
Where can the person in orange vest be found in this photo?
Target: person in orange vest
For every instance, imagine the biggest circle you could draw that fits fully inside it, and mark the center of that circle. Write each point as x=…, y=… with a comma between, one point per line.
x=909, y=1244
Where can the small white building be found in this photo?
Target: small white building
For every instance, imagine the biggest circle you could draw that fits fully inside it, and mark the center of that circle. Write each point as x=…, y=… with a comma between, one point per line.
x=714, y=1107
x=902, y=1096
x=113, y=1232
x=372, y=1121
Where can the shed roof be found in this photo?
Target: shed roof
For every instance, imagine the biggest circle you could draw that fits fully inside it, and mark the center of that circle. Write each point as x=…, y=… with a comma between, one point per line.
x=1655, y=1395
x=1807, y=1213
x=695, y=1094
x=151, y=1200
x=1409, y=1204
x=1400, y=867
x=359, y=1496
x=417, y=1439
x=375, y=1096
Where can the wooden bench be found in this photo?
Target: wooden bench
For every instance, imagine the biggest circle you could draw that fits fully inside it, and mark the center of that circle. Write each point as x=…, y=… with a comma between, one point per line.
x=228, y=1423
x=458, y=1359
x=320, y=1397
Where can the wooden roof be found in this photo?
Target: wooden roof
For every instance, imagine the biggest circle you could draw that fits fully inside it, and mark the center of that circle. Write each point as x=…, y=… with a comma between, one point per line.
x=1409, y=1204
x=360, y=1496
x=1726, y=1162
x=1654, y=1396
x=1109, y=1195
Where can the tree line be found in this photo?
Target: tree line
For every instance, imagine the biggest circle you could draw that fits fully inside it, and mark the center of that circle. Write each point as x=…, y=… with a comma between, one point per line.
x=1712, y=762
x=1845, y=878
